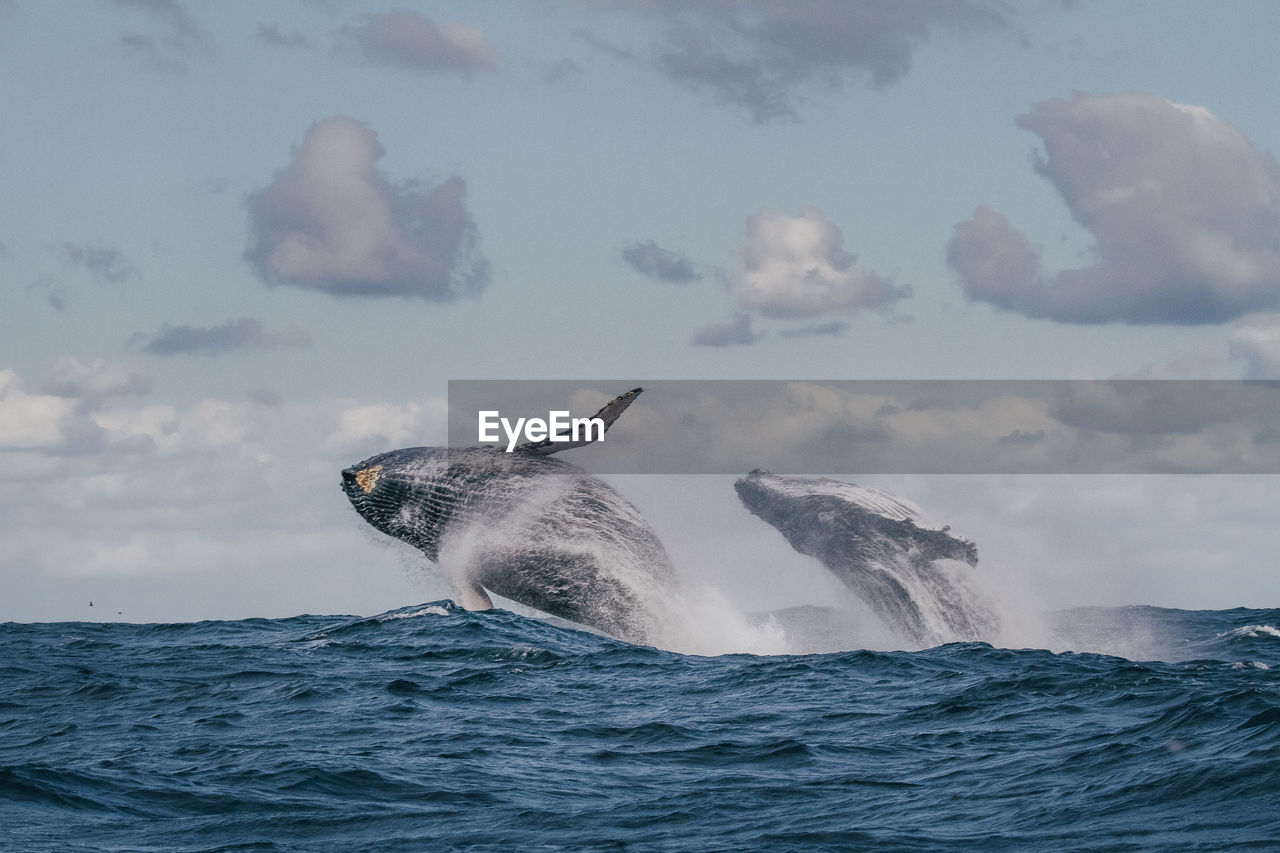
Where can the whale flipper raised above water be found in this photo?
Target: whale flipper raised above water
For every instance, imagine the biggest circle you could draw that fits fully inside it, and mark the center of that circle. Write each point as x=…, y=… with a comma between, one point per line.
x=534, y=529
x=874, y=543
x=608, y=414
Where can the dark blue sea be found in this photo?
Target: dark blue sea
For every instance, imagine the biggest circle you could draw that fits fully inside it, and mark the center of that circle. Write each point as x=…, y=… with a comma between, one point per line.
x=432, y=728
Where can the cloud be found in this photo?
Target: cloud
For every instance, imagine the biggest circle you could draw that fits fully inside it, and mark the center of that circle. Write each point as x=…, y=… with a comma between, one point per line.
x=736, y=332
x=946, y=427
x=272, y=34
x=834, y=327
x=379, y=425
x=1183, y=209
x=245, y=333
x=796, y=266
x=1257, y=342
x=32, y=421
x=1151, y=407
x=331, y=221
x=94, y=378
x=559, y=71
x=178, y=37
x=650, y=259
x=410, y=40
x=758, y=55
x=108, y=266
x=177, y=496
x=169, y=13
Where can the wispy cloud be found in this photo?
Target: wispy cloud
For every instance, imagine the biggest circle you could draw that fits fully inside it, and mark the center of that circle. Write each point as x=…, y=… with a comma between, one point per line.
x=761, y=56
x=829, y=329
x=106, y=265
x=176, y=35
x=736, y=332
x=245, y=333
x=410, y=40
x=650, y=259
x=273, y=35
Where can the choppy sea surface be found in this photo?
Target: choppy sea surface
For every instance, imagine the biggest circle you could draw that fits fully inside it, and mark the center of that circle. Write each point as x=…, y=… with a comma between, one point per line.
x=433, y=728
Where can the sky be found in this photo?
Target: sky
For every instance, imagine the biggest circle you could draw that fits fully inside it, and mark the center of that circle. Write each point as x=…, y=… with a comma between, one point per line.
x=245, y=246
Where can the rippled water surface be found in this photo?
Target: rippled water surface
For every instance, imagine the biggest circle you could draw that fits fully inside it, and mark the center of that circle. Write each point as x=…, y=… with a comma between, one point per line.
x=433, y=728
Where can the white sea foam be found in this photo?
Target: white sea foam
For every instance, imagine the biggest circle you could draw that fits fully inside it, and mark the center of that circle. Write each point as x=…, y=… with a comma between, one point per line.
x=1253, y=631
x=413, y=613
x=704, y=622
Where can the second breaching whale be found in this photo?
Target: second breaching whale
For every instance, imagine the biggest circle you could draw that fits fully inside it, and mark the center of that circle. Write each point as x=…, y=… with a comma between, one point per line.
x=882, y=548
x=525, y=526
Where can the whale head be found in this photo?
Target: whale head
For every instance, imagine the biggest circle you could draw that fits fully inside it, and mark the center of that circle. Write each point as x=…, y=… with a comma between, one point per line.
x=801, y=509
x=418, y=493
x=408, y=494
x=821, y=515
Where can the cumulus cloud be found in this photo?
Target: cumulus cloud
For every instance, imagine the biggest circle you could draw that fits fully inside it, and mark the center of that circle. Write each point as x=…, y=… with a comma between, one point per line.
x=407, y=39
x=245, y=333
x=1183, y=209
x=331, y=221
x=760, y=55
x=106, y=265
x=736, y=332
x=650, y=259
x=94, y=378
x=797, y=266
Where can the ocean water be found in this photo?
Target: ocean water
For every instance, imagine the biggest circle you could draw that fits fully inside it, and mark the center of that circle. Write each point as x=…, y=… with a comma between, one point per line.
x=434, y=728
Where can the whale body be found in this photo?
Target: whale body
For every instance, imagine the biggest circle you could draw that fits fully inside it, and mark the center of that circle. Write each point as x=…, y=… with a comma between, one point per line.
x=531, y=528
x=878, y=545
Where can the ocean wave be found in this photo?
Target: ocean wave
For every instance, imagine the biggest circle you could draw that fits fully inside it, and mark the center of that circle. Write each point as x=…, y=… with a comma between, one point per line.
x=1253, y=631
x=443, y=608
x=443, y=728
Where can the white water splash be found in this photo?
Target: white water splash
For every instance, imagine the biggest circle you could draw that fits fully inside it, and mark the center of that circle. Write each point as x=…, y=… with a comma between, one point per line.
x=704, y=622
x=413, y=613
x=1252, y=631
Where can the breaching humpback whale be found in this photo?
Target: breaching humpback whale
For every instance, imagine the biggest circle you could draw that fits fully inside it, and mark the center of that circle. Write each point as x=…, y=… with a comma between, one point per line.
x=534, y=529
x=871, y=541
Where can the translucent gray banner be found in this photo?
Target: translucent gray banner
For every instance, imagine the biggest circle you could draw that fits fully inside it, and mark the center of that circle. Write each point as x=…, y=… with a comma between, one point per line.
x=856, y=427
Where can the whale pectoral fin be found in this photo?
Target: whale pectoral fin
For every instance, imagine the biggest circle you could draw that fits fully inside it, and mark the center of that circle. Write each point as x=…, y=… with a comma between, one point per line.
x=472, y=596
x=608, y=414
